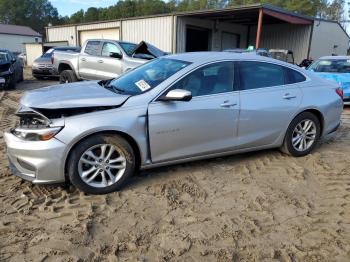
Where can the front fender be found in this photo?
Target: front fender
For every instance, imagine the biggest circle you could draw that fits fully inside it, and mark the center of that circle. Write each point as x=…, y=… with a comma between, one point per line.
x=132, y=122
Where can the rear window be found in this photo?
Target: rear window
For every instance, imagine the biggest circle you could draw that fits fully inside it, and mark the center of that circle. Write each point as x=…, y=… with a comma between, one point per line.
x=48, y=53
x=92, y=48
x=293, y=76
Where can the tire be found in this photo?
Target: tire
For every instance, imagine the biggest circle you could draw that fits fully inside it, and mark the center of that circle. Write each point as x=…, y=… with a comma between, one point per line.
x=81, y=160
x=10, y=83
x=21, y=77
x=299, y=130
x=67, y=76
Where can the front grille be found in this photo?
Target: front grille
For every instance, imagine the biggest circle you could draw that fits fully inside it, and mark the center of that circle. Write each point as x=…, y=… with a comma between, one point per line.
x=44, y=66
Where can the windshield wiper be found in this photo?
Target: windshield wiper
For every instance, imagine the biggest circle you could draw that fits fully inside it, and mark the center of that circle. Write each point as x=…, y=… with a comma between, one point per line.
x=105, y=84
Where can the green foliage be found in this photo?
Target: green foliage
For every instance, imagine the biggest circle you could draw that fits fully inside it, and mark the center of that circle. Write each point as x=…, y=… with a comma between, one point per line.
x=39, y=13
x=131, y=8
x=33, y=13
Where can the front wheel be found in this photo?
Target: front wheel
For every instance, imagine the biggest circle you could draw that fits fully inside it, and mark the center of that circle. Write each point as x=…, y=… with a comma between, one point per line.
x=68, y=76
x=101, y=164
x=302, y=135
x=10, y=82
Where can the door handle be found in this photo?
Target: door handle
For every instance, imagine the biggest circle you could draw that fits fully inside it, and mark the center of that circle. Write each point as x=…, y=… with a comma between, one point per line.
x=83, y=59
x=100, y=61
x=228, y=104
x=289, y=96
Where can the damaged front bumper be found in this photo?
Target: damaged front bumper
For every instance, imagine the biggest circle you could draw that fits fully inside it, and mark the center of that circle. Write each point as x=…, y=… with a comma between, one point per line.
x=40, y=162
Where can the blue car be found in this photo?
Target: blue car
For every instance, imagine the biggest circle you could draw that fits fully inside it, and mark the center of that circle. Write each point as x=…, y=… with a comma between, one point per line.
x=336, y=68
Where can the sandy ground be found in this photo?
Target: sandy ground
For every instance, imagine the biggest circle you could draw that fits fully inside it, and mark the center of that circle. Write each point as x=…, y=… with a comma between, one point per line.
x=262, y=206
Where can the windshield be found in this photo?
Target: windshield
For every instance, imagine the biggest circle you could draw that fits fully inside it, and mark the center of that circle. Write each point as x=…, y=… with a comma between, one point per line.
x=3, y=57
x=331, y=66
x=147, y=76
x=128, y=47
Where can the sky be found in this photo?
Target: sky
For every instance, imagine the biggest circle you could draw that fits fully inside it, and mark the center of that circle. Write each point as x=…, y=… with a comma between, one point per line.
x=68, y=7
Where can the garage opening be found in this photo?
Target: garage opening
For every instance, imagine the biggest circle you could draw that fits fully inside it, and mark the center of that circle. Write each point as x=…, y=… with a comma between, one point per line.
x=197, y=39
x=229, y=41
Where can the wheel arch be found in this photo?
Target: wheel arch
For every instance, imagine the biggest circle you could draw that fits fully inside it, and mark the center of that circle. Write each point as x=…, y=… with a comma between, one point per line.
x=124, y=135
x=314, y=111
x=318, y=114
x=65, y=66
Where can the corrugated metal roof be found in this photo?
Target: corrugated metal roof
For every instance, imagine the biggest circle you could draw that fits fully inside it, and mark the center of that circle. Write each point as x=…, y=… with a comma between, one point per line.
x=219, y=11
x=17, y=30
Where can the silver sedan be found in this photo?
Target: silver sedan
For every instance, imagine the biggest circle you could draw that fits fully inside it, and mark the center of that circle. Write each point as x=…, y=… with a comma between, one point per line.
x=170, y=110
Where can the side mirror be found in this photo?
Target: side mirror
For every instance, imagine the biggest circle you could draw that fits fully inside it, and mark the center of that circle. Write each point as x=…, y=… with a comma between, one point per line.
x=115, y=55
x=177, y=95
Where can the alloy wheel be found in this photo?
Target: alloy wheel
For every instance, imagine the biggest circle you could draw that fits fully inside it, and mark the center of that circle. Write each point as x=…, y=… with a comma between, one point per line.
x=304, y=135
x=102, y=165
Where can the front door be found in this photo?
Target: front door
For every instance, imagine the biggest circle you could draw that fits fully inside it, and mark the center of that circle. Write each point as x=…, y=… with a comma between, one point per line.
x=204, y=125
x=109, y=67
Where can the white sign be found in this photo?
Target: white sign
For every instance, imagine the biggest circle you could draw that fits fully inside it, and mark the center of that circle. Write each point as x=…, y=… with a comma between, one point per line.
x=142, y=84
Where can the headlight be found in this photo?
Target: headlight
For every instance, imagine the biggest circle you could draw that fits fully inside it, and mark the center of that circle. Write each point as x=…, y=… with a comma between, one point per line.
x=42, y=134
x=35, y=65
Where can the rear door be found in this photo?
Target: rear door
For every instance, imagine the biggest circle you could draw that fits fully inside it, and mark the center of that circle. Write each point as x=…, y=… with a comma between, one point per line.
x=206, y=124
x=108, y=66
x=88, y=59
x=269, y=100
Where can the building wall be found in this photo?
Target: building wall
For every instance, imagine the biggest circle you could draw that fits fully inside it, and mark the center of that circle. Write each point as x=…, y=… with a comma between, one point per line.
x=284, y=36
x=33, y=51
x=216, y=31
x=64, y=33
x=326, y=35
x=158, y=31
x=15, y=43
x=155, y=30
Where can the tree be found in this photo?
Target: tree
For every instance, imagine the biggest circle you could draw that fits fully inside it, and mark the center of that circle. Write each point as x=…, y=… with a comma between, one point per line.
x=33, y=13
x=92, y=14
x=131, y=8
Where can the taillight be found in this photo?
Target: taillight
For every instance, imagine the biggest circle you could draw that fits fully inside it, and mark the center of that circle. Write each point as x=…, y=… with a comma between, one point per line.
x=52, y=59
x=340, y=93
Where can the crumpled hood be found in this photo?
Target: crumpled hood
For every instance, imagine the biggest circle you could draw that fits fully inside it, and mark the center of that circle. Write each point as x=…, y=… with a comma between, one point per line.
x=74, y=95
x=147, y=51
x=341, y=79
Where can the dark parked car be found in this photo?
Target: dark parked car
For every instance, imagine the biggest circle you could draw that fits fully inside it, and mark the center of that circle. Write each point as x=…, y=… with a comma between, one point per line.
x=43, y=65
x=11, y=69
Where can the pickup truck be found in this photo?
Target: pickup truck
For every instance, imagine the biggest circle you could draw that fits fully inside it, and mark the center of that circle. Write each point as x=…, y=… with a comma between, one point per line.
x=101, y=59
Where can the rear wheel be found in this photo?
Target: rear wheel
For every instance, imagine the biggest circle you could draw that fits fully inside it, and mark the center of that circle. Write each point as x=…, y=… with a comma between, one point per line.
x=67, y=76
x=302, y=135
x=101, y=164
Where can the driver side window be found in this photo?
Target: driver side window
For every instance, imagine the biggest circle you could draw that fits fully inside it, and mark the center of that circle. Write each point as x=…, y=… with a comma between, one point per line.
x=109, y=48
x=209, y=80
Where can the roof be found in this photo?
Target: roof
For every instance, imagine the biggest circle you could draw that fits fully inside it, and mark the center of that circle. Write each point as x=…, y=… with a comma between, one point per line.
x=212, y=56
x=335, y=58
x=251, y=10
x=17, y=30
